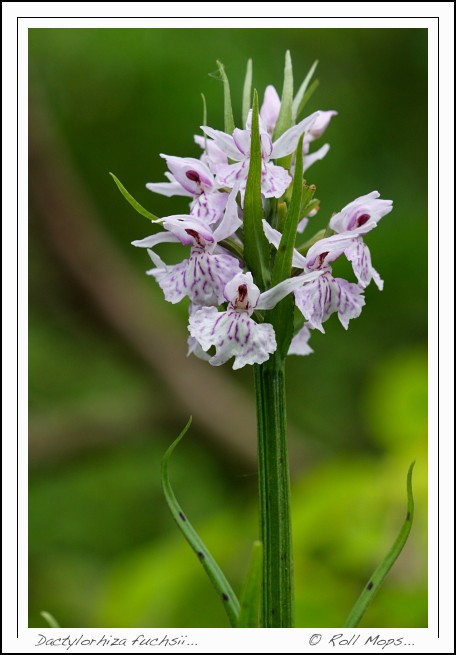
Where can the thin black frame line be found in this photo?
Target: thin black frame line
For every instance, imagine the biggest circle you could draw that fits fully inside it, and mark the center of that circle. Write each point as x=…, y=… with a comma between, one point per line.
x=18, y=18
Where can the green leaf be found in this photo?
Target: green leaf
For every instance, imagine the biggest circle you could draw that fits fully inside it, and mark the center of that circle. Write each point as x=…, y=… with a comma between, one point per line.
x=382, y=570
x=256, y=248
x=214, y=573
x=228, y=110
x=247, y=93
x=302, y=89
x=249, y=613
x=281, y=316
x=50, y=619
x=134, y=203
x=285, y=118
x=306, y=97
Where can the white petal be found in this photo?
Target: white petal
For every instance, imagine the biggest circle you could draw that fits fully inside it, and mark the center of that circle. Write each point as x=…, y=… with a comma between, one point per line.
x=183, y=225
x=230, y=221
x=299, y=344
x=250, y=292
x=327, y=250
x=314, y=301
x=302, y=225
x=315, y=156
x=168, y=189
x=370, y=208
x=225, y=142
x=207, y=276
x=192, y=174
x=274, y=237
x=160, y=237
x=212, y=153
x=275, y=180
x=326, y=295
x=359, y=255
x=209, y=207
x=286, y=144
x=348, y=300
x=271, y=297
x=228, y=175
x=320, y=125
x=172, y=280
x=234, y=334
x=270, y=108
x=194, y=348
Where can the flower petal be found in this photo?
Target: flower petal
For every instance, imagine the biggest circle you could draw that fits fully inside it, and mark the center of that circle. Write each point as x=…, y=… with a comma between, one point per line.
x=234, y=334
x=154, y=239
x=228, y=175
x=315, y=156
x=230, y=221
x=299, y=344
x=168, y=189
x=212, y=153
x=286, y=144
x=270, y=108
x=188, y=229
x=348, y=300
x=320, y=125
x=274, y=237
x=275, y=180
x=172, y=280
x=359, y=255
x=361, y=215
x=192, y=174
x=326, y=295
x=224, y=142
x=209, y=207
x=242, y=292
x=314, y=301
x=271, y=297
x=327, y=250
x=207, y=276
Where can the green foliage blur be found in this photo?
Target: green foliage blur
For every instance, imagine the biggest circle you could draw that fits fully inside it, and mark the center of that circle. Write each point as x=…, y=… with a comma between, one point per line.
x=103, y=550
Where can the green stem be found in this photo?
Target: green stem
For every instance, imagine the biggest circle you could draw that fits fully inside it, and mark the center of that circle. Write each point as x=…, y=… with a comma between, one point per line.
x=274, y=491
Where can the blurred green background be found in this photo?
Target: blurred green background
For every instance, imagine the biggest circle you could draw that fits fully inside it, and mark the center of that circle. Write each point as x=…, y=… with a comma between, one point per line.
x=110, y=386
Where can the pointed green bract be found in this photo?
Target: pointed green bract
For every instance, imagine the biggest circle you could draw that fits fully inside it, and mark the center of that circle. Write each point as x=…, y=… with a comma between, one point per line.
x=228, y=109
x=214, y=573
x=306, y=97
x=285, y=119
x=134, y=203
x=203, y=97
x=281, y=316
x=382, y=570
x=256, y=248
x=282, y=264
x=249, y=613
x=50, y=620
x=247, y=93
x=301, y=91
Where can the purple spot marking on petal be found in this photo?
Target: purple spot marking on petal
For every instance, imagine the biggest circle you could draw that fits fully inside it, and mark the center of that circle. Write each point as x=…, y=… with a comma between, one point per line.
x=361, y=220
x=193, y=176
